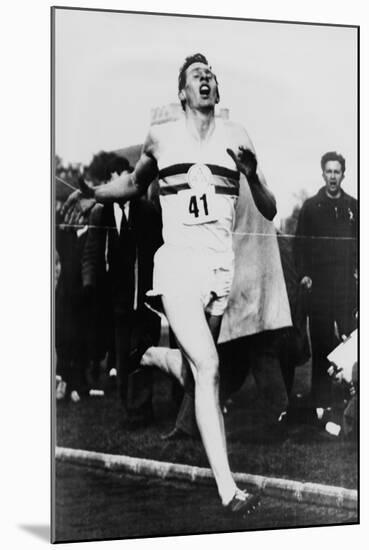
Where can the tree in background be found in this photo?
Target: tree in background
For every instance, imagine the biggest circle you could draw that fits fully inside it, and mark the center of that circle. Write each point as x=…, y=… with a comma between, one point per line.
x=289, y=224
x=68, y=174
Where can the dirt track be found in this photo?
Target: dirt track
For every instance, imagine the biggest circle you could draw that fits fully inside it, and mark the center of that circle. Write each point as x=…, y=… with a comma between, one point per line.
x=93, y=504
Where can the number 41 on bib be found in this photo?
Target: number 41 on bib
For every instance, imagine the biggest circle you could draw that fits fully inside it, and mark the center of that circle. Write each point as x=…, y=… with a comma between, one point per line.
x=197, y=207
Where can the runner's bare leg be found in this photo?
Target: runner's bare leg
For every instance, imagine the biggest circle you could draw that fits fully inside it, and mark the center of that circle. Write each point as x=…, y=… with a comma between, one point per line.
x=187, y=319
x=170, y=361
x=173, y=362
x=214, y=322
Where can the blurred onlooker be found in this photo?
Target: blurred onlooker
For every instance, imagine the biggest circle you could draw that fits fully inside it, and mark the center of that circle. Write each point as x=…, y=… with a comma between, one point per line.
x=344, y=369
x=61, y=385
x=57, y=270
x=293, y=343
x=325, y=249
x=122, y=240
x=80, y=314
x=350, y=414
x=70, y=315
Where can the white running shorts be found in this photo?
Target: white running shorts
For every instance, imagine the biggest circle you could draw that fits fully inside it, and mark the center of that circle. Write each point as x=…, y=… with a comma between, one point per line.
x=190, y=272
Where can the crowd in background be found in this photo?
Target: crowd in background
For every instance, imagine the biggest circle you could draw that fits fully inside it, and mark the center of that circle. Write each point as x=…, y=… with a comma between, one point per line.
x=104, y=270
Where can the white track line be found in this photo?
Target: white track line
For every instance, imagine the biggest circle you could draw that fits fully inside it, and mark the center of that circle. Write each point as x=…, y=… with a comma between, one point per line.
x=308, y=493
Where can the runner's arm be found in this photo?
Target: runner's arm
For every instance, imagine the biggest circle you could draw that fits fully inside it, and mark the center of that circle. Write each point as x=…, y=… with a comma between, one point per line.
x=245, y=160
x=128, y=186
x=120, y=189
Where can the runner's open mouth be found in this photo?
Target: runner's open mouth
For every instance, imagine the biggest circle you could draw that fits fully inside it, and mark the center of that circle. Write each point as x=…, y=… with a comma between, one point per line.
x=204, y=90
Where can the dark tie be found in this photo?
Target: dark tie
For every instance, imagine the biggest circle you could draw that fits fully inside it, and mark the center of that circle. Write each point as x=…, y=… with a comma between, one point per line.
x=124, y=222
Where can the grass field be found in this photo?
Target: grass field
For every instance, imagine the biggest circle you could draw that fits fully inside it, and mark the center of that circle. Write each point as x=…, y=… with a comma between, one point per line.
x=305, y=454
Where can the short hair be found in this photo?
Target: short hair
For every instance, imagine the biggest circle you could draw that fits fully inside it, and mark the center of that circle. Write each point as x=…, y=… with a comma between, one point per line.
x=104, y=164
x=332, y=155
x=118, y=164
x=195, y=58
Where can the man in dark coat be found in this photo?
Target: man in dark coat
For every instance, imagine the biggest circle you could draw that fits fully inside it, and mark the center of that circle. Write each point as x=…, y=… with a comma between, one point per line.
x=326, y=258
x=77, y=341
x=123, y=239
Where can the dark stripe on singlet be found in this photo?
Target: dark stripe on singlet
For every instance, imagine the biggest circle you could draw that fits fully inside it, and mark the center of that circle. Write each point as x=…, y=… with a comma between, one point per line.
x=219, y=190
x=228, y=187
x=176, y=169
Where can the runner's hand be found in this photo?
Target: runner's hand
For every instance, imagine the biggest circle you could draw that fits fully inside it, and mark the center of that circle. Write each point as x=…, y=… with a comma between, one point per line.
x=245, y=161
x=78, y=205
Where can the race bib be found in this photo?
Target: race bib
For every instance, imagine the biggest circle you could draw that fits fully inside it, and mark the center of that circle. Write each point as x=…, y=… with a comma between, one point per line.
x=197, y=208
x=198, y=203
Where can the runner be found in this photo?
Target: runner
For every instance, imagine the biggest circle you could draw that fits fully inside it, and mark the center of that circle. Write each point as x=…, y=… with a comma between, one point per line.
x=198, y=160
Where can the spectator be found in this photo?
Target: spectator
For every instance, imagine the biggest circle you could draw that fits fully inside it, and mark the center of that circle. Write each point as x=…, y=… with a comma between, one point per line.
x=326, y=259
x=344, y=370
x=293, y=346
x=71, y=332
x=122, y=241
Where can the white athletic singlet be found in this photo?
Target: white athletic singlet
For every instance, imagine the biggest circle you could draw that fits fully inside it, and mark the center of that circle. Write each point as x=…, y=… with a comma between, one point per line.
x=199, y=186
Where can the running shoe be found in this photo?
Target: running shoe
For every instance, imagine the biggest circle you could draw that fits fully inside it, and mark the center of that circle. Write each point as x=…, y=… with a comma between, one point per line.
x=74, y=396
x=243, y=503
x=61, y=389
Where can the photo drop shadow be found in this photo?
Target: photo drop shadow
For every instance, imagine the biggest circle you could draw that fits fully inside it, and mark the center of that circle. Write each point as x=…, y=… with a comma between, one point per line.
x=40, y=531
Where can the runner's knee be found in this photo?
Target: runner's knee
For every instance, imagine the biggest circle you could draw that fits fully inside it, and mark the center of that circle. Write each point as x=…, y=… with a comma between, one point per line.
x=207, y=369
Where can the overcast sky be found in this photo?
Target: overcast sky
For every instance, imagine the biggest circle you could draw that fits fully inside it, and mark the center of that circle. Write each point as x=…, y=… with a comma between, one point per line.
x=294, y=87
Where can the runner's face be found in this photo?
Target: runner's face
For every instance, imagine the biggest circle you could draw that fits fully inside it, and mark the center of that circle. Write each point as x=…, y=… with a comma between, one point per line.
x=200, y=90
x=333, y=176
